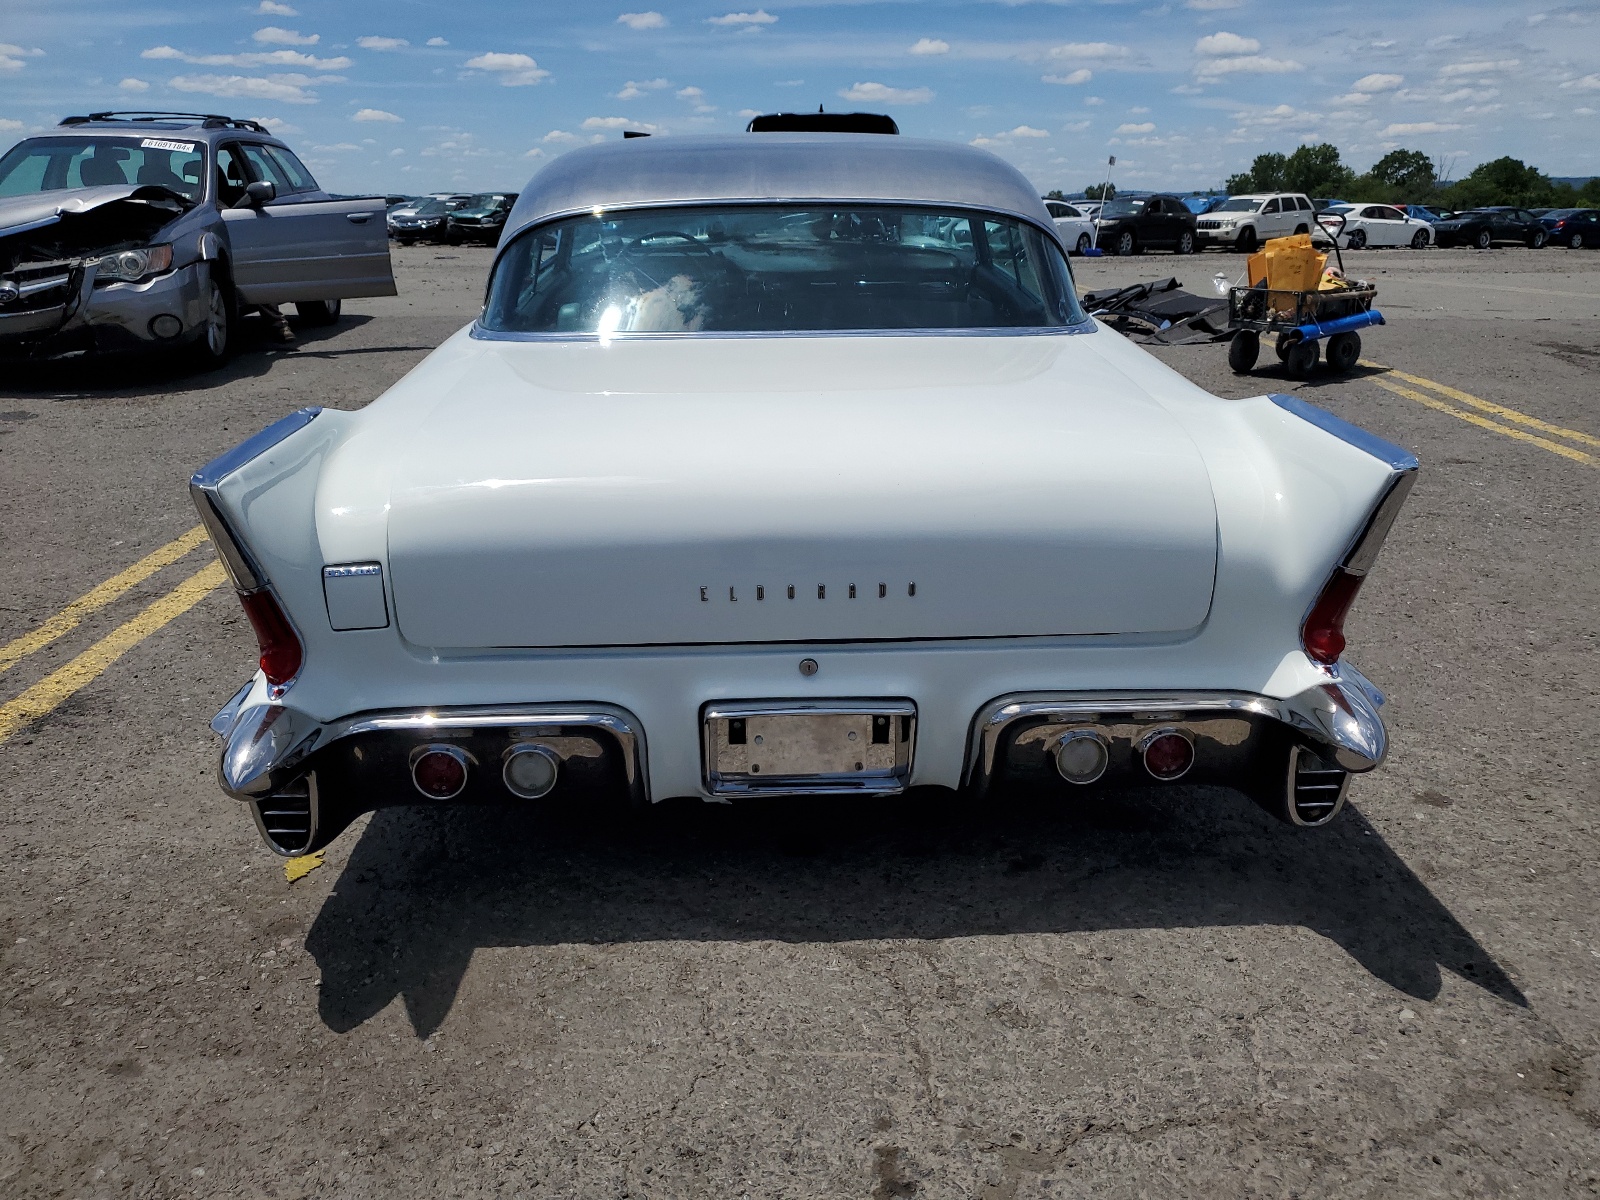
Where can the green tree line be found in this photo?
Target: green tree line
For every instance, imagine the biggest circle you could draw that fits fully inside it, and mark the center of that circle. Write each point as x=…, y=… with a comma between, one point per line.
x=1409, y=177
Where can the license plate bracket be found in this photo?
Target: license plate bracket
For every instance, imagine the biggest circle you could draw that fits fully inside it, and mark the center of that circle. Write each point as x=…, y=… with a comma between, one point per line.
x=823, y=747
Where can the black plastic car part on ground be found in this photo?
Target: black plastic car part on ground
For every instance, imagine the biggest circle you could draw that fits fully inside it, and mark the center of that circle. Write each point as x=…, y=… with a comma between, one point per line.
x=1151, y=223
x=1485, y=227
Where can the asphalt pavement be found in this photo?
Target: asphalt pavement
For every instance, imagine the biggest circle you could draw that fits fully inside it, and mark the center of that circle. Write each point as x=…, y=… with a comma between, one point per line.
x=1159, y=994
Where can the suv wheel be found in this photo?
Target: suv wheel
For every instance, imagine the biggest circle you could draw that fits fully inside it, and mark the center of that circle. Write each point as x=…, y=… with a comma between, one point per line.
x=1483, y=241
x=1125, y=243
x=1186, y=242
x=212, y=347
x=1301, y=228
x=1247, y=240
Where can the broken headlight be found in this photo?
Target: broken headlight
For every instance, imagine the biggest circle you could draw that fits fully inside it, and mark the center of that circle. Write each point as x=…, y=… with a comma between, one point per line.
x=130, y=266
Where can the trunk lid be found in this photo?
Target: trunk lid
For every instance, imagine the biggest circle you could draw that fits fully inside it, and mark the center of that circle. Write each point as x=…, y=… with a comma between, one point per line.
x=797, y=489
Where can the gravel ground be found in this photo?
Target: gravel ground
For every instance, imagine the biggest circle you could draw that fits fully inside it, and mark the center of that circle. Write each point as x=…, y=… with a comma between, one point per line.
x=1162, y=994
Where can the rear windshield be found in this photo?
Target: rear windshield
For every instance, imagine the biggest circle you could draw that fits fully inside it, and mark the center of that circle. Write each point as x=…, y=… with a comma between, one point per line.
x=49, y=164
x=775, y=268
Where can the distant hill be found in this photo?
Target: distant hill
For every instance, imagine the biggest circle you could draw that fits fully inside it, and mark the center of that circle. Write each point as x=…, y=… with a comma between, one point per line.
x=1576, y=181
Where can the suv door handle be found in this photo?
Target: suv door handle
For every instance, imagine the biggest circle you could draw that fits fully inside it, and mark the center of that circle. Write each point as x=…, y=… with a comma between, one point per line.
x=358, y=218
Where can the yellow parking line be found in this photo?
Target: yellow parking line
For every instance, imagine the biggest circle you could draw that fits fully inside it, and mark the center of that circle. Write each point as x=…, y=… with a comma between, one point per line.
x=1484, y=422
x=44, y=696
x=1488, y=406
x=98, y=597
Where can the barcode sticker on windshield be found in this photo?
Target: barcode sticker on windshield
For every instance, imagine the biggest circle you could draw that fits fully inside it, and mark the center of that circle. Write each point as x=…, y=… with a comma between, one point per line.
x=158, y=144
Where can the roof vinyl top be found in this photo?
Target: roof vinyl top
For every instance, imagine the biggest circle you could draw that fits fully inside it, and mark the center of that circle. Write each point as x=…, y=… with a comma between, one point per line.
x=641, y=172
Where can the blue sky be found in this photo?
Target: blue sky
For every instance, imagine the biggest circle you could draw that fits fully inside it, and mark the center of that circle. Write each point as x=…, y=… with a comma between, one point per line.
x=423, y=95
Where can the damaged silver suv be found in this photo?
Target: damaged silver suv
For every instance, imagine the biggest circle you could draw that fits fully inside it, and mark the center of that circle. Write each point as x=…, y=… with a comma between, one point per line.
x=138, y=230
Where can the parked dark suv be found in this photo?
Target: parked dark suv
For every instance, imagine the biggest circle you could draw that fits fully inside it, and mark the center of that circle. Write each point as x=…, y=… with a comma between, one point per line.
x=1127, y=226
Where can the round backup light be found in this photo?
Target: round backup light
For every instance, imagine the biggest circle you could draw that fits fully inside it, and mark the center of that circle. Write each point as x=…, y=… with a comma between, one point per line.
x=1168, y=755
x=166, y=326
x=439, y=772
x=531, y=771
x=1081, y=757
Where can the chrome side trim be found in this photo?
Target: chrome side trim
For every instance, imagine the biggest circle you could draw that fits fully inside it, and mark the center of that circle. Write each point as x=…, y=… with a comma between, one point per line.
x=219, y=468
x=1367, y=544
x=270, y=744
x=1396, y=457
x=1341, y=716
x=222, y=724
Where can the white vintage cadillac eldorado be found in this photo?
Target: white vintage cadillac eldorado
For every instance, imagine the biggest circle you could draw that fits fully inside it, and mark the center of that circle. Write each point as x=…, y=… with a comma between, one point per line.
x=789, y=464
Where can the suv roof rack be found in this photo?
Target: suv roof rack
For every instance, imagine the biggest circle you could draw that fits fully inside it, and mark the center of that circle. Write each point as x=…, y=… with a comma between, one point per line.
x=821, y=122
x=151, y=116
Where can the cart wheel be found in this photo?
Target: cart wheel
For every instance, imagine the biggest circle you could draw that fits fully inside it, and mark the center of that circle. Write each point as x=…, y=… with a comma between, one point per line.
x=1344, y=349
x=1243, y=350
x=1283, y=347
x=1302, y=359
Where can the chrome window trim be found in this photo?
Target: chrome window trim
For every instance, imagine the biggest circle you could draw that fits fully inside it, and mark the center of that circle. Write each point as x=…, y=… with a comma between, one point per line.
x=1087, y=325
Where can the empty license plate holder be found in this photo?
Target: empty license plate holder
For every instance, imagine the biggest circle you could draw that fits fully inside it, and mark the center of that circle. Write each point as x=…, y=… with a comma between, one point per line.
x=826, y=747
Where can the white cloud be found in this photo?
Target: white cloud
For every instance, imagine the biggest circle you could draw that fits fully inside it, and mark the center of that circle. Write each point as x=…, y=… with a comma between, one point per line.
x=1212, y=5
x=536, y=152
x=514, y=70
x=1584, y=112
x=1467, y=93
x=272, y=35
x=276, y=125
x=1406, y=129
x=11, y=57
x=337, y=148
x=644, y=20
x=559, y=135
x=635, y=88
x=1224, y=43
x=882, y=93
x=1589, y=83
x=1088, y=50
x=290, y=89
x=1140, y=127
x=1377, y=83
x=271, y=8
x=1250, y=63
x=1480, y=68
x=1092, y=100
x=1139, y=108
x=608, y=123
x=377, y=114
x=381, y=43
x=929, y=46
x=255, y=58
x=134, y=85
x=746, y=114
x=691, y=93
x=7, y=125
x=1071, y=78
x=1076, y=127
x=1352, y=98
x=749, y=20
x=436, y=41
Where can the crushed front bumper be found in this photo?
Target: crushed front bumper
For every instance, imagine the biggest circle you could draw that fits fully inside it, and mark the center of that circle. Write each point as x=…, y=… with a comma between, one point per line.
x=306, y=779
x=109, y=318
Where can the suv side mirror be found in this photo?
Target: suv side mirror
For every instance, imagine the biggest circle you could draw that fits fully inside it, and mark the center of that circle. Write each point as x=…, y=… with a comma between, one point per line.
x=263, y=191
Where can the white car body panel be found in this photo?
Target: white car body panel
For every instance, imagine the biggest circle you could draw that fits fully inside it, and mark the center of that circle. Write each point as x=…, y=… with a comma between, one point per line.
x=1072, y=229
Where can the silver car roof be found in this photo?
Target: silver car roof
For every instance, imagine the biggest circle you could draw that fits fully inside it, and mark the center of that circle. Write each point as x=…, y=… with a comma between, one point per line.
x=653, y=171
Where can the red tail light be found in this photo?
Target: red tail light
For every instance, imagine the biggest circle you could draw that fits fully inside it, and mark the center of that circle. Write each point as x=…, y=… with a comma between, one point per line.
x=281, y=652
x=1323, y=633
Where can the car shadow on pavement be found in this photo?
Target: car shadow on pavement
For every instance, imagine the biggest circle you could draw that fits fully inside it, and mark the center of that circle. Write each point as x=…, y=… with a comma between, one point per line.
x=425, y=888
x=155, y=374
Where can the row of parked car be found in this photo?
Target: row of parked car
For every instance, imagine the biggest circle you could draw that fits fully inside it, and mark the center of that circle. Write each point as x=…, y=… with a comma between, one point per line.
x=1132, y=225
x=450, y=217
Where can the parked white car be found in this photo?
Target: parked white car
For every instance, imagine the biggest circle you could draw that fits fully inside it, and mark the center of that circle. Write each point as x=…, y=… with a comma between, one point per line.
x=1372, y=225
x=1075, y=227
x=789, y=464
x=1244, y=222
